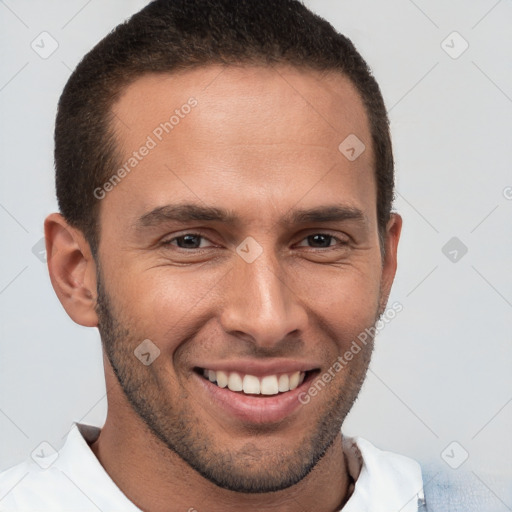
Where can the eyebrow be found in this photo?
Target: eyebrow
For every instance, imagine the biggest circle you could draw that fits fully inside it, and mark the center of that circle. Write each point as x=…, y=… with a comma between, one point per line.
x=333, y=213
x=194, y=212
x=185, y=213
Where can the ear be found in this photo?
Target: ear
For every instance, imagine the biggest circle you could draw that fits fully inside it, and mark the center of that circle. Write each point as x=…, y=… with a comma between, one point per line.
x=72, y=269
x=393, y=230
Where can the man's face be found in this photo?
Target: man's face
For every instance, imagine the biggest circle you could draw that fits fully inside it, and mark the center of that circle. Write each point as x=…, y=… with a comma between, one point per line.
x=284, y=285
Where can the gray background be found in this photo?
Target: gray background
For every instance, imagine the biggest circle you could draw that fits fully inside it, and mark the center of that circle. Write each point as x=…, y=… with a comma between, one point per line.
x=442, y=368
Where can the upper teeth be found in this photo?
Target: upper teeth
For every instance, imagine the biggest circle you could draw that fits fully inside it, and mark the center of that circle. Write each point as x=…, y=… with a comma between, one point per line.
x=268, y=385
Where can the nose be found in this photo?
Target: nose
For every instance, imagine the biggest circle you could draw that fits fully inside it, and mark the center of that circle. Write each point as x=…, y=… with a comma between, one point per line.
x=260, y=304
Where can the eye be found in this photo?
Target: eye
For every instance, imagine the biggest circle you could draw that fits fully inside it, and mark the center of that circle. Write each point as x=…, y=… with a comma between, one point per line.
x=196, y=241
x=322, y=241
x=187, y=241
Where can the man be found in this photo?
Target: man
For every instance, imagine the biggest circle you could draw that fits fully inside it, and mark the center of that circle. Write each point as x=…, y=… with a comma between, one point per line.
x=225, y=179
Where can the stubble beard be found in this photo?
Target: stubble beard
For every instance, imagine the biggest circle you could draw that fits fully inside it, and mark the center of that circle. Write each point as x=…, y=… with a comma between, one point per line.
x=249, y=469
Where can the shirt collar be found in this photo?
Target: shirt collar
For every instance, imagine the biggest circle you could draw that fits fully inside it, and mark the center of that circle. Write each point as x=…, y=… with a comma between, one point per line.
x=384, y=480
x=78, y=462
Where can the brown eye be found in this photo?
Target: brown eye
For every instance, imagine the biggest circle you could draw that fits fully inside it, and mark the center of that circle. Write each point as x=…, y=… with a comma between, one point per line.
x=321, y=241
x=188, y=241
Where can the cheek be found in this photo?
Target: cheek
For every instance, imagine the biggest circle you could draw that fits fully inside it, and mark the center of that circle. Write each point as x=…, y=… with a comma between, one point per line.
x=346, y=298
x=168, y=304
x=162, y=301
x=348, y=286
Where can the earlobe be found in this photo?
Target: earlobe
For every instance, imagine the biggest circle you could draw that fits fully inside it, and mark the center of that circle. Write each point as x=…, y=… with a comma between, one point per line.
x=72, y=269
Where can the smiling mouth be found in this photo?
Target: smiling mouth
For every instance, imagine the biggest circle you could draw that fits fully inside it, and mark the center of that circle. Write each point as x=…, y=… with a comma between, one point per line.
x=274, y=384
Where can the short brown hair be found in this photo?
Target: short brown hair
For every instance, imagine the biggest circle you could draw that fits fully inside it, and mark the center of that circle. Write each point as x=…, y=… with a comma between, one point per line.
x=172, y=35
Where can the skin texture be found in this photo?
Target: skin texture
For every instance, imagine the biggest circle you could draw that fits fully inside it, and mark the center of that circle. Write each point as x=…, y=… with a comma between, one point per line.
x=262, y=143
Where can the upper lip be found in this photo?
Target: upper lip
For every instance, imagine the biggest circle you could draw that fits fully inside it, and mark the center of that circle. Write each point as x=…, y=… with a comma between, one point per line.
x=259, y=368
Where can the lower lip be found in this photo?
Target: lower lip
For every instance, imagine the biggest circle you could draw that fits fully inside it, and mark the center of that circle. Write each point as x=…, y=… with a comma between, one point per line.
x=258, y=409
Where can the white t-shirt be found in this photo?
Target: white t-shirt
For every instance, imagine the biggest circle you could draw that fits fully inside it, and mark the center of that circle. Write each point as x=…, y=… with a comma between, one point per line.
x=72, y=479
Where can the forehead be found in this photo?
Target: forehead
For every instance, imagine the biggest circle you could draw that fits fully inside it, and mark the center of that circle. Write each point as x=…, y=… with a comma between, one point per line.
x=247, y=95
x=221, y=132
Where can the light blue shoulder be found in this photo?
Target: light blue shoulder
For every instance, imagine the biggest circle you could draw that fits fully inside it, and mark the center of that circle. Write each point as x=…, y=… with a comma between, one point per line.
x=448, y=490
